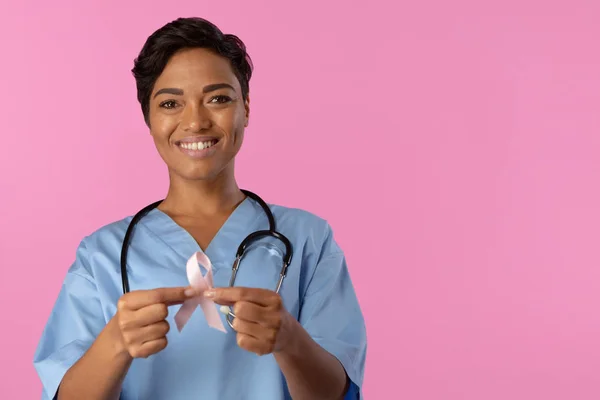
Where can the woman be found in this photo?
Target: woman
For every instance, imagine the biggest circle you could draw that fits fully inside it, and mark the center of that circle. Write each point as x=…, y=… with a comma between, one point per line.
x=305, y=342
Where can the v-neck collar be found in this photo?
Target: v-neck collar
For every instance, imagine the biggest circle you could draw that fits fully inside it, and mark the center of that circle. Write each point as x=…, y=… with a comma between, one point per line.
x=223, y=246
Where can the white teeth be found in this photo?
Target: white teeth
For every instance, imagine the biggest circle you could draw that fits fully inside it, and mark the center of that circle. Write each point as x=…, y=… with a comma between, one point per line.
x=198, y=145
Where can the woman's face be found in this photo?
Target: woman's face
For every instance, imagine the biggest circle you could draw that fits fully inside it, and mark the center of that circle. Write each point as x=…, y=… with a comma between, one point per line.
x=197, y=114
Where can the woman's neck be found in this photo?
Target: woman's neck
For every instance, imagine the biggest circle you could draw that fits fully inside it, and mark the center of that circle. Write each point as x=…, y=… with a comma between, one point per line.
x=202, y=198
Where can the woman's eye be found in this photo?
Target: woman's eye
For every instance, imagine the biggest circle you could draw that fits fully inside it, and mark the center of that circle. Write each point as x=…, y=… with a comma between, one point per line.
x=169, y=104
x=220, y=99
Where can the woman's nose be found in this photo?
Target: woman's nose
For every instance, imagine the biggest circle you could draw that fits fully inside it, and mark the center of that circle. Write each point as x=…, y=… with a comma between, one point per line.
x=196, y=118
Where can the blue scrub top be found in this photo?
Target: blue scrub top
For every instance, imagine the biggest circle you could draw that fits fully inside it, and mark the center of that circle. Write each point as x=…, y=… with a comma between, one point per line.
x=199, y=361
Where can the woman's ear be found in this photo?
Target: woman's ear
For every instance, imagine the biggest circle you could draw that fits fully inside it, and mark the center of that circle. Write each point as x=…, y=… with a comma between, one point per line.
x=247, y=108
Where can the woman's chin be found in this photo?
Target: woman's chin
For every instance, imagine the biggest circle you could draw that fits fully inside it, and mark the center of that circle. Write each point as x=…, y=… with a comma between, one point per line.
x=199, y=173
x=207, y=169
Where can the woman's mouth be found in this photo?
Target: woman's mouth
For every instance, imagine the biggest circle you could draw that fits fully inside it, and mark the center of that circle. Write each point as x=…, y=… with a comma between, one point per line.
x=198, y=148
x=198, y=145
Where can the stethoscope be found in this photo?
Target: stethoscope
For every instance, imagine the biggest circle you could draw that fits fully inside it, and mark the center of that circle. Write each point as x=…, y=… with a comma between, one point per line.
x=249, y=240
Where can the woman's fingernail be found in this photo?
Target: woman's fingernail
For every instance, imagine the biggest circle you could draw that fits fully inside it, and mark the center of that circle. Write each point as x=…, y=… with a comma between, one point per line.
x=189, y=292
x=209, y=293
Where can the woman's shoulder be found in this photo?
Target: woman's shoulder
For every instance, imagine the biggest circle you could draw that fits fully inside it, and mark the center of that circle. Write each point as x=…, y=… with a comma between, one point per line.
x=100, y=246
x=305, y=226
x=298, y=216
x=106, y=235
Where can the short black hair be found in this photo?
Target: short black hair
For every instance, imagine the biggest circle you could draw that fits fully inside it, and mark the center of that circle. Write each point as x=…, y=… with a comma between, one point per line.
x=185, y=33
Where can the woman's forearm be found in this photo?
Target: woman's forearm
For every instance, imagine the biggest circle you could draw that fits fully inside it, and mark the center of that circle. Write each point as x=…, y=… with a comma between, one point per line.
x=99, y=374
x=310, y=371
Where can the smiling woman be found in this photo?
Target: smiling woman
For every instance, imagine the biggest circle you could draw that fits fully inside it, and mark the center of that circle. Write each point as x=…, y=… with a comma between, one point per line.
x=197, y=99
x=109, y=335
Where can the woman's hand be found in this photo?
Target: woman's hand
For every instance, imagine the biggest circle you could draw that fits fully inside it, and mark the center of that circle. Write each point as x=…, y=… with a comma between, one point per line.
x=141, y=319
x=264, y=326
x=262, y=323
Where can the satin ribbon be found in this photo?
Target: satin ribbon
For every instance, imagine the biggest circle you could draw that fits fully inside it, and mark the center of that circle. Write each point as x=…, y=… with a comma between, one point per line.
x=201, y=283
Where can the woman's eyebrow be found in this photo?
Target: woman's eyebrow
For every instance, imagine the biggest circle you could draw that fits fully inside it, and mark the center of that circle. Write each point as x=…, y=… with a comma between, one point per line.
x=217, y=86
x=205, y=89
x=174, y=91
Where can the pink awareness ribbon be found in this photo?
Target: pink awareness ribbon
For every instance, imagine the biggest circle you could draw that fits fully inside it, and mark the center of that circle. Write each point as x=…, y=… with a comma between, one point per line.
x=201, y=283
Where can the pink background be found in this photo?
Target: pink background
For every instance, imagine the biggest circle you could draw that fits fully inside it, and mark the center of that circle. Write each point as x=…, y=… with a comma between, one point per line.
x=454, y=147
